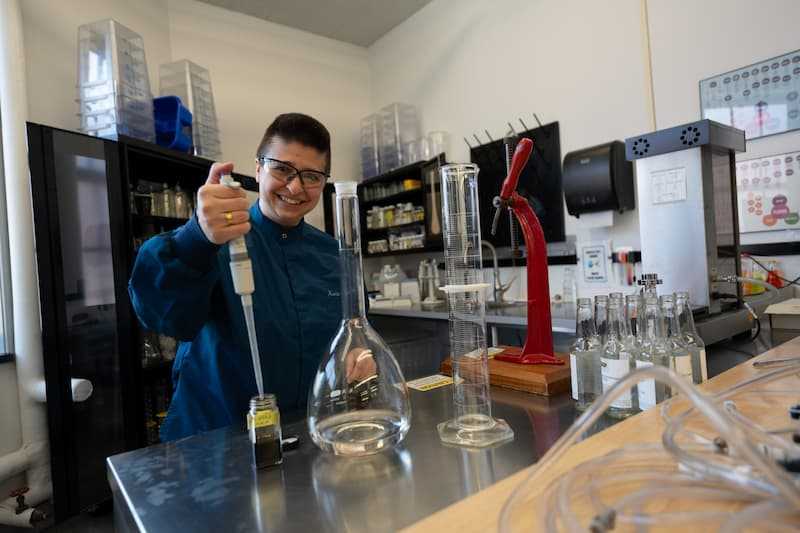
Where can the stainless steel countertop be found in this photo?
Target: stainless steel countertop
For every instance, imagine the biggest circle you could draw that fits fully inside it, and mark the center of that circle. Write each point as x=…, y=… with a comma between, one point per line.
x=206, y=482
x=563, y=315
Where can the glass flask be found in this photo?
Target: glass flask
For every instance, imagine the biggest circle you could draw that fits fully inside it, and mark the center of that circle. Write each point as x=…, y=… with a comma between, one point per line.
x=358, y=402
x=697, y=348
x=472, y=424
x=653, y=351
x=680, y=359
x=618, y=359
x=584, y=357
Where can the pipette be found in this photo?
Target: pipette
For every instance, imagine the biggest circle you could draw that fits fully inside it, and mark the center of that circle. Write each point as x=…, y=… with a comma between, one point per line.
x=243, y=284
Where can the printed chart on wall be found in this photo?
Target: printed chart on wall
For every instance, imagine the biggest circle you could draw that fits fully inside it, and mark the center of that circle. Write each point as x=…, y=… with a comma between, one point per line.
x=769, y=193
x=761, y=99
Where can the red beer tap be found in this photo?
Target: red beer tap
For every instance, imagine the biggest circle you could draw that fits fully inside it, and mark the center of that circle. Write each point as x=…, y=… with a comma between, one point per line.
x=538, y=347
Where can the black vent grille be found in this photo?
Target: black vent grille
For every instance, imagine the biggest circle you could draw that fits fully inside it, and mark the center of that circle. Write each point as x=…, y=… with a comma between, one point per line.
x=690, y=136
x=641, y=146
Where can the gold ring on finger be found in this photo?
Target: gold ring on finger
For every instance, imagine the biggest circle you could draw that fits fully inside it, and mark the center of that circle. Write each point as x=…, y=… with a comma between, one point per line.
x=229, y=216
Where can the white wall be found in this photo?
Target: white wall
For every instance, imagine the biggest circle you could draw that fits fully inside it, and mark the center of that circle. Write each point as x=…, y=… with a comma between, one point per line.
x=260, y=69
x=725, y=35
x=470, y=65
x=51, y=49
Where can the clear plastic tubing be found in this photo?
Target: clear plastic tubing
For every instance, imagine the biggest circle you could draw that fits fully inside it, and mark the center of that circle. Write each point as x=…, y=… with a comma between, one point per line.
x=733, y=434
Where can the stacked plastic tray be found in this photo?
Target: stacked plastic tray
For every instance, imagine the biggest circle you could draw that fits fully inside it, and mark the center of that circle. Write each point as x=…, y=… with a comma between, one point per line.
x=370, y=144
x=114, y=95
x=192, y=84
x=398, y=126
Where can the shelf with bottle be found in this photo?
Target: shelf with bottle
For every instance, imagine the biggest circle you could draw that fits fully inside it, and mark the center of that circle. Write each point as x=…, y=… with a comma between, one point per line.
x=405, y=194
x=151, y=199
x=393, y=216
x=157, y=352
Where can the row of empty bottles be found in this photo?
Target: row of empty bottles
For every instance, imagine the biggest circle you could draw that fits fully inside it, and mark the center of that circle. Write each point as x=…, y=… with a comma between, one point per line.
x=617, y=334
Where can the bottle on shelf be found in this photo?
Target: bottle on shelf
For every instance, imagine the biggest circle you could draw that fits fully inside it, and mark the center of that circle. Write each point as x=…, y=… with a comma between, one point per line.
x=584, y=357
x=569, y=290
x=183, y=207
x=168, y=199
x=774, y=275
x=697, y=347
x=618, y=359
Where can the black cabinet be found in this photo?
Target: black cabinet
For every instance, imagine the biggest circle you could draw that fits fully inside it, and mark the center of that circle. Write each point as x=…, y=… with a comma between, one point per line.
x=88, y=227
x=400, y=210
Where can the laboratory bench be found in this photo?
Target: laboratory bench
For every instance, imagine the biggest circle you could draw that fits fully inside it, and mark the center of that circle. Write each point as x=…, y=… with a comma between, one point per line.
x=481, y=512
x=206, y=482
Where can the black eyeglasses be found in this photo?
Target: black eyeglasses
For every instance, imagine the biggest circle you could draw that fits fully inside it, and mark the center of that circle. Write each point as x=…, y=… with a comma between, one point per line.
x=286, y=172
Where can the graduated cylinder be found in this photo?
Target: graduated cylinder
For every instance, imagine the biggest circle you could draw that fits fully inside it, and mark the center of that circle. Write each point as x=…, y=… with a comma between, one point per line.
x=472, y=424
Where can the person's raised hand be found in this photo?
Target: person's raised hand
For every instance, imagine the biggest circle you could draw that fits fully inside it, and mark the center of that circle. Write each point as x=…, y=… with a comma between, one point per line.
x=221, y=210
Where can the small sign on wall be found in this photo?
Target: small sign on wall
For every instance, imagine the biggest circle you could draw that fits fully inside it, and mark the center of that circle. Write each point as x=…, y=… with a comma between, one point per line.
x=594, y=258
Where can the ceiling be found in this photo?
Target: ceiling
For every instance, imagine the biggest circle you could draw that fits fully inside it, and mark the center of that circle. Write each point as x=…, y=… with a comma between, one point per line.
x=360, y=22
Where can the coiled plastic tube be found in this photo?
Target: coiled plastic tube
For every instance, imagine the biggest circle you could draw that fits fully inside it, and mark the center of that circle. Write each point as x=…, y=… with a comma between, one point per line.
x=775, y=480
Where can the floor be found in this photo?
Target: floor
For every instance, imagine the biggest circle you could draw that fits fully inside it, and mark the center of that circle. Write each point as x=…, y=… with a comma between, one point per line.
x=721, y=357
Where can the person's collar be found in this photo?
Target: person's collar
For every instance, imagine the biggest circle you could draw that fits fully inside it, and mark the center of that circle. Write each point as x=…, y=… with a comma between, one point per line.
x=265, y=224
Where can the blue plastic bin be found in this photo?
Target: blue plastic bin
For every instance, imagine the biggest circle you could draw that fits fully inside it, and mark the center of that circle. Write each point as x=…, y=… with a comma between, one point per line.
x=173, y=123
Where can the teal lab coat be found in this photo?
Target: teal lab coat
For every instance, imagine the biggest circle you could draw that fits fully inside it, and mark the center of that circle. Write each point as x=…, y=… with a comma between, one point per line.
x=181, y=286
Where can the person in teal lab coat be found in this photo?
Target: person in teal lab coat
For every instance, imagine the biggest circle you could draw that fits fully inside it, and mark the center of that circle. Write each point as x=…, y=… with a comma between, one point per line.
x=181, y=284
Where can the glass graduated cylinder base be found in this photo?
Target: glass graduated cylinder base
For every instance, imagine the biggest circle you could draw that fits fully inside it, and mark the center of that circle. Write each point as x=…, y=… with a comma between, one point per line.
x=361, y=432
x=475, y=431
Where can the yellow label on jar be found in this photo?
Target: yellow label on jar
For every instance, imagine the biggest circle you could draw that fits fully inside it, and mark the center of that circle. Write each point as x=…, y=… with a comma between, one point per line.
x=262, y=419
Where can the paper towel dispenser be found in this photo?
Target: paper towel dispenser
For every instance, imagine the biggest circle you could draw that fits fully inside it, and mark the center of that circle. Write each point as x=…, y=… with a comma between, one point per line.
x=598, y=179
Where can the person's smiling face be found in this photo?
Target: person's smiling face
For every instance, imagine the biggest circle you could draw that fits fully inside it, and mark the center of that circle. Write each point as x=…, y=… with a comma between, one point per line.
x=286, y=203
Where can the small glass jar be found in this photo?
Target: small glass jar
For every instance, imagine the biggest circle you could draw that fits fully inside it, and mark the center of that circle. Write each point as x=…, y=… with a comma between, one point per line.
x=183, y=208
x=168, y=199
x=264, y=428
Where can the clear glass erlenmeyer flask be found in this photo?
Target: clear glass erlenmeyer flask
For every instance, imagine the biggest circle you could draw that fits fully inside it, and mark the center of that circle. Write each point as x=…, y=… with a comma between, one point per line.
x=358, y=403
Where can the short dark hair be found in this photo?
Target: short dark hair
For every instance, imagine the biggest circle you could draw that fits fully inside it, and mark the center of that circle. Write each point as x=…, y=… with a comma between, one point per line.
x=297, y=127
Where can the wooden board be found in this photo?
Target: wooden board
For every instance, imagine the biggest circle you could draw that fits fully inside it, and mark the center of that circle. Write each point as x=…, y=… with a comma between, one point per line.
x=546, y=380
x=480, y=512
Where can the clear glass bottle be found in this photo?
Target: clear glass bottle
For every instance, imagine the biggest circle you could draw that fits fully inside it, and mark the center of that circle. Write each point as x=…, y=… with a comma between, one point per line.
x=183, y=208
x=653, y=351
x=632, y=313
x=680, y=359
x=619, y=359
x=168, y=201
x=601, y=316
x=358, y=402
x=157, y=201
x=584, y=357
x=697, y=348
x=264, y=429
x=569, y=292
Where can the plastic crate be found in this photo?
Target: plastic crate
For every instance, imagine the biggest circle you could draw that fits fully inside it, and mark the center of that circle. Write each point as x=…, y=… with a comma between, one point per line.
x=108, y=51
x=173, y=123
